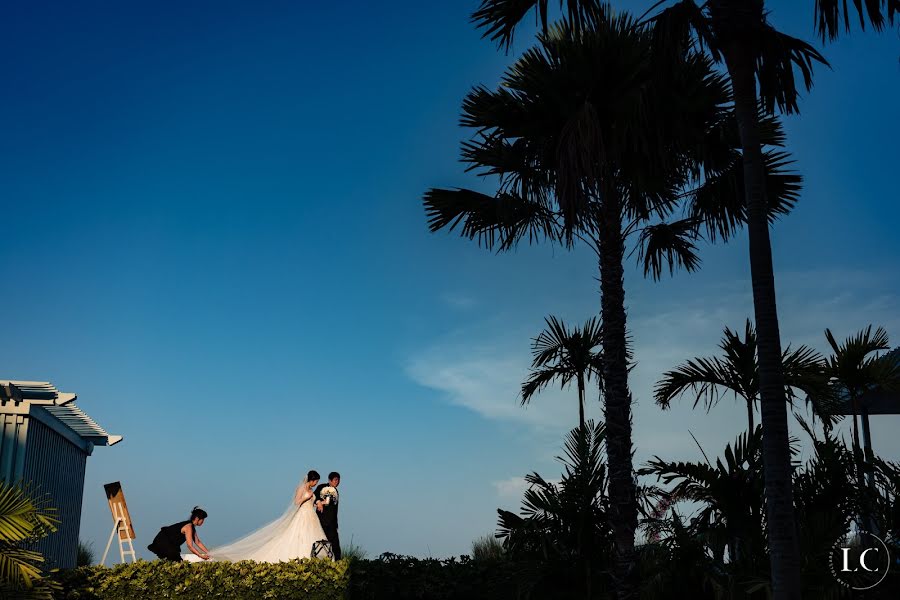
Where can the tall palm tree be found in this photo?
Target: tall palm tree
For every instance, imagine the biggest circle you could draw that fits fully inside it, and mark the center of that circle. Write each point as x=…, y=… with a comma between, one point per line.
x=737, y=33
x=563, y=355
x=594, y=138
x=23, y=520
x=573, y=153
x=738, y=372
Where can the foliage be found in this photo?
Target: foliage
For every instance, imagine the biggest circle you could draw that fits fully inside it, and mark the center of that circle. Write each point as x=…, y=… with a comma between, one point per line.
x=390, y=577
x=353, y=552
x=394, y=577
x=488, y=548
x=86, y=555
x=25, y=518
x=724, y=542
x=566, y=526
x=563, y=355
x=308, y=579
x=737, y=372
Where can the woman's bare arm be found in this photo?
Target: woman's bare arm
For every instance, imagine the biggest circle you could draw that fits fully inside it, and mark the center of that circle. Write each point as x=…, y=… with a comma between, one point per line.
x=188, y=531
x=200, y=544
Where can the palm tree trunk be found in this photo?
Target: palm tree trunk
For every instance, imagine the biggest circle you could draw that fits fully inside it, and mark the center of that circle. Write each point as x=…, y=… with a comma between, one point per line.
x=860, y=461
x=750, y=416
x=857, y=448
x=581, y=401
x=617, y=398
x=784, y=555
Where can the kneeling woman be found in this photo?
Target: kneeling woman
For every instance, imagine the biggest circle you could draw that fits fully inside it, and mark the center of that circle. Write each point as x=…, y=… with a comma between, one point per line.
x=167, y=543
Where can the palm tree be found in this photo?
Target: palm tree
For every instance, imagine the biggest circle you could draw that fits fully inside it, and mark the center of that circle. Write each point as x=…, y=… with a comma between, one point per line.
x=737, y=33
x=855, y=368
x=738, y=372
x=595, y=139
x=572, y=154
x=23, y=521
x=563, y=355
x=567, y=523
x=730, y=495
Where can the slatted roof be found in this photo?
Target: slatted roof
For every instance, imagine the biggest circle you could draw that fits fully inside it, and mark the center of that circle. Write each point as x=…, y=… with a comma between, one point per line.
x=60, y=405
x=78, y=421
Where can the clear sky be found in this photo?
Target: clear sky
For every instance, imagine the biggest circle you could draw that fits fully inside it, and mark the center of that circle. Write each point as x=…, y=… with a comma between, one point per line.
x=213, y=234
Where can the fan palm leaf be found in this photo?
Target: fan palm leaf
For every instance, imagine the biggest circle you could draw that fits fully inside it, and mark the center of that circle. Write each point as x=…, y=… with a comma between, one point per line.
x=24, y=519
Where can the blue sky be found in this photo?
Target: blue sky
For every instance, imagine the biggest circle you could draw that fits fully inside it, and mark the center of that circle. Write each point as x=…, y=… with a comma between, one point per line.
x=213, y=234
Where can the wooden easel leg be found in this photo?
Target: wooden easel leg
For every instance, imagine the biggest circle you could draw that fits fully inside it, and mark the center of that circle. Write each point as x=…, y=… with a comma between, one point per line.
x=115, y=530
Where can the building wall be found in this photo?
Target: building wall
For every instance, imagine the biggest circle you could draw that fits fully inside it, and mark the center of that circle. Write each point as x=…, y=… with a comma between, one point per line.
x=56, y=467
x=13, y=429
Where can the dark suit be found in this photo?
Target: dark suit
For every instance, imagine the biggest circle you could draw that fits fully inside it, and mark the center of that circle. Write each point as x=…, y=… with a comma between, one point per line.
x=328, y=517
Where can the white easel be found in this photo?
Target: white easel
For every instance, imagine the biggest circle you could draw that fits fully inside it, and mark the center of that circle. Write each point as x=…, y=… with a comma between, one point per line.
x=120, y=528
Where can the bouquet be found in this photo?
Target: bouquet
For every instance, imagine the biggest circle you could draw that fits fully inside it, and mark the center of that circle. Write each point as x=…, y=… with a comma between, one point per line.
x=329, y=495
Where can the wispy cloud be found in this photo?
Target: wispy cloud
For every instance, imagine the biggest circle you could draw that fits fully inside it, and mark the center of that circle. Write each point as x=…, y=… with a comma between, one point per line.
x=459, y=301
x=485, y=377
x=511, y=488
x=481, y=368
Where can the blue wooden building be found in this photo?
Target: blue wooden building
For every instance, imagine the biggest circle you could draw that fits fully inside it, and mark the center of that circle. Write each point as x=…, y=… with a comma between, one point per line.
x=45, y=439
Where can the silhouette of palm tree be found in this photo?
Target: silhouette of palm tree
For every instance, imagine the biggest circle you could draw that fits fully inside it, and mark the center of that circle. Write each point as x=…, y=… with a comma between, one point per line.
x=563, y=355
x=738, y=372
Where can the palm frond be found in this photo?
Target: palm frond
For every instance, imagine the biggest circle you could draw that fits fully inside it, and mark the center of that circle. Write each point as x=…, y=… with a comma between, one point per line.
x=778, y=55
x=496, y=222
x=707, y=377
x=499, y=18
x=670, y=245
x=719, y=203
x=831, y=14
x=539, y=379
x=25, y=517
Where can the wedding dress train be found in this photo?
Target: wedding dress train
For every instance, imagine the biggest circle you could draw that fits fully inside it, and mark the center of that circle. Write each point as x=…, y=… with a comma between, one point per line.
x=288, y=537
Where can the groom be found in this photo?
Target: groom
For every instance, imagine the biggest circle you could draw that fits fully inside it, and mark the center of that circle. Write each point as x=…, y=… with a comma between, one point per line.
x=327, y=507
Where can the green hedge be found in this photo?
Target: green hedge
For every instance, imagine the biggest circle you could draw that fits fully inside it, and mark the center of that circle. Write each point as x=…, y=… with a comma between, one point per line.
x=389, y=577
x=309, y=579
x=394, y=577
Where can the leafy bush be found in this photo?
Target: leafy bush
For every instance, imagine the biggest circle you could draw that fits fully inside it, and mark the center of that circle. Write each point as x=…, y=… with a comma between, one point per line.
x=309, y=579
x=394, y=577
x=389, y=577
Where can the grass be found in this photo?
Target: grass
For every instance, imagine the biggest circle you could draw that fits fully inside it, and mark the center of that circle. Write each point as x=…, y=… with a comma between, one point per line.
x=86, y=555
x=487, y=547
x=353, y=552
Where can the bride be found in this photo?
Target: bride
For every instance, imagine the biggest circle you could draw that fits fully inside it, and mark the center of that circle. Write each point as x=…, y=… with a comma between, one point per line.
x=290, y=536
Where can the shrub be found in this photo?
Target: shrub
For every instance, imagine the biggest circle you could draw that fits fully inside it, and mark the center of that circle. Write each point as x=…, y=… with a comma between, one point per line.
x=389, y=577
x=86, y=555
x=487, y=547
x=308, y=579
x=394, y=577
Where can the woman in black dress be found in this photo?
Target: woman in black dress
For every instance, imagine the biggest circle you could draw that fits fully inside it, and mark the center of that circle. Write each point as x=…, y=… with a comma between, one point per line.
x=167, y=543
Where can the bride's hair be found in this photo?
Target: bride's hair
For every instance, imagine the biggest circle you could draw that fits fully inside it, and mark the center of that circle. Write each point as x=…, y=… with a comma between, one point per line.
x=198, y=513
x=313, y=476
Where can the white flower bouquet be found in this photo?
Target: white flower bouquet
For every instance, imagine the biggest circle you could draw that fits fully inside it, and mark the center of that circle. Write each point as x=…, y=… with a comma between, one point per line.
x=329, y=495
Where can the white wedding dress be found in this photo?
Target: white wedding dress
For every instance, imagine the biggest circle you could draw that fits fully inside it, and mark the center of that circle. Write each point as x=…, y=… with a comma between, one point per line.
x=290, y=536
